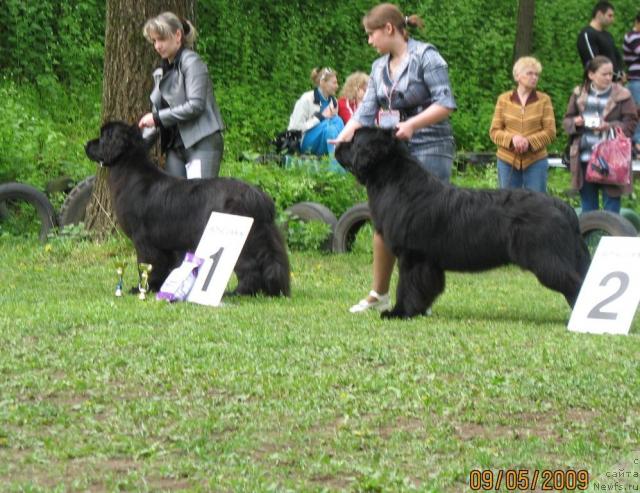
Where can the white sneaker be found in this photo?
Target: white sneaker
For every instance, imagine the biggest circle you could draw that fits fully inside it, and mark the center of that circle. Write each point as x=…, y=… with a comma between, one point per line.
x=381, y=303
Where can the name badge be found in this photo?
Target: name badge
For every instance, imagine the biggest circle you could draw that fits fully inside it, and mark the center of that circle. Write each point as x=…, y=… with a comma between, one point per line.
x=388, y=118
x=194, y=169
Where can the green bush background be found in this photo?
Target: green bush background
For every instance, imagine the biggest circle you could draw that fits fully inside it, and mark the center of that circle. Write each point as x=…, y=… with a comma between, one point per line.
x=260, y=54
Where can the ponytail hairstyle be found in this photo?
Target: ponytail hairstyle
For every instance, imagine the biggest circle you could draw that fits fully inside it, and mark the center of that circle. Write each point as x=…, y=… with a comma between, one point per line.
x=167, y=24
x=384, y=13
x=319, y=74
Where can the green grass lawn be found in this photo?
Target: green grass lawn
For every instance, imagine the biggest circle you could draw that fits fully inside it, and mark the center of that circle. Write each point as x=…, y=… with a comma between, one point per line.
x=105, y=394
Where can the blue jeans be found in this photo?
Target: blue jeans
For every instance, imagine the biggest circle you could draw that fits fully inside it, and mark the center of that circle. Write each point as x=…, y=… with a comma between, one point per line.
x=589, y=197
x=634, y=87
x=315, y=139
x=437, y=159
x=534, y=177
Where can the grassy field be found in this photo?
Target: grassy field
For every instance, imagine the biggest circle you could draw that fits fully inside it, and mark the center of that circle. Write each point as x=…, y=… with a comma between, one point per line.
x=105, y=394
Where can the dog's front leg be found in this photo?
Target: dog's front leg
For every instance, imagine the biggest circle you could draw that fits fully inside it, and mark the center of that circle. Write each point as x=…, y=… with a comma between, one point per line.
x=162, y=262
x=419, y=284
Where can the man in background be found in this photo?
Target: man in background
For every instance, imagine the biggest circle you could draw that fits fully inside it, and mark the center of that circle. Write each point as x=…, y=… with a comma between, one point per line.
x=631, y=54
x=595, y=40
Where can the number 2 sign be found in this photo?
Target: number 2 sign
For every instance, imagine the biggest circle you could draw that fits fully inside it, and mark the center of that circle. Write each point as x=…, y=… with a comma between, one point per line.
x=611, y=290
x=220, y=246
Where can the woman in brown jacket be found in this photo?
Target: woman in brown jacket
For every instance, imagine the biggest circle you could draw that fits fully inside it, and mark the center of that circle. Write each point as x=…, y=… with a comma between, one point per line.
x=595, y=107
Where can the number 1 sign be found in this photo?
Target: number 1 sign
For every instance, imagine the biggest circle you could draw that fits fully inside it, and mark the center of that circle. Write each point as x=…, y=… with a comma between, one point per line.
x=220, y=246
x=611, y=290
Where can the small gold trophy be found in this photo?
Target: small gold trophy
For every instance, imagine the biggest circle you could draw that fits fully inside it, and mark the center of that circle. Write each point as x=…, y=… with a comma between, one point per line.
x=120, y=265
x=143, y=283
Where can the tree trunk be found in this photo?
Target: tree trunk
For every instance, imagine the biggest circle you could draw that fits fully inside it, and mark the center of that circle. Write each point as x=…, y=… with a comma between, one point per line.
x=129, y=60
x=524, y=29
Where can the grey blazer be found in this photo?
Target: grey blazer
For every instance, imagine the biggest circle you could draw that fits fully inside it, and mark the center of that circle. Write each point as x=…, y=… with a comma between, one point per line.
x=189, y=92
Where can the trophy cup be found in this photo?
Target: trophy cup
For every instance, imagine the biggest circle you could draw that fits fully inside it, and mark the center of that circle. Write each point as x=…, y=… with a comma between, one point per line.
x=120, y=265
x=143, y=283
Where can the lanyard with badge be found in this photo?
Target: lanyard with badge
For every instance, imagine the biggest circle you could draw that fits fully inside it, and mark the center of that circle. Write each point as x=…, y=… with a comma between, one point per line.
x=389, y=118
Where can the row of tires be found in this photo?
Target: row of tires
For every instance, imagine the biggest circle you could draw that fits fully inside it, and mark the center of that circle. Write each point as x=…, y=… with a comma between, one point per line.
x=72, y=210
x=343, y=230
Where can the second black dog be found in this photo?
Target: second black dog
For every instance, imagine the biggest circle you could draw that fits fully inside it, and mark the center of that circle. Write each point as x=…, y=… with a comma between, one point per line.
x=165, y=216
x=432, y=227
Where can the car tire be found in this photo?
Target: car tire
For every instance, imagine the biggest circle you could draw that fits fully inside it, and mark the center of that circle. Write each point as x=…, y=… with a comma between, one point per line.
x=348, y=226
x=632, y=216
x=607, y=222
x=596, y=224
x=313, y=211
x=74, y=207
x=27, y=193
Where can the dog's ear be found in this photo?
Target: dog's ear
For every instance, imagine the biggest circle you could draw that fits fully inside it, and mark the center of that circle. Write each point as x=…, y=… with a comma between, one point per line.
x=371, y=149
x=116, y=138
x=344, y=155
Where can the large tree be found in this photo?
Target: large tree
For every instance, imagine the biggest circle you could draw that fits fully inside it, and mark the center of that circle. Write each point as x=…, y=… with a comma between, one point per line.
x=128, y=62
x=524, y=29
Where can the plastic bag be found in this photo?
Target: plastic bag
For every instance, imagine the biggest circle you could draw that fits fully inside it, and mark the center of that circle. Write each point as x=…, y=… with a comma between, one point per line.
x=179, y=282
x=610, y=161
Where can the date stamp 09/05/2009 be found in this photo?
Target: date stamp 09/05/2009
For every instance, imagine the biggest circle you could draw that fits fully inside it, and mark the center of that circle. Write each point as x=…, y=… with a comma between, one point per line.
x=529, y=480
x=624, y=477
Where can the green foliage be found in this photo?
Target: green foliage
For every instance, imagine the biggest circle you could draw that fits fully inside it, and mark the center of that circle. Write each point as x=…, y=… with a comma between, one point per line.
x=306, y=235
x=43, y=131
x=60, y=38
x=260, y=54
x=290, y=186
x=19, y=219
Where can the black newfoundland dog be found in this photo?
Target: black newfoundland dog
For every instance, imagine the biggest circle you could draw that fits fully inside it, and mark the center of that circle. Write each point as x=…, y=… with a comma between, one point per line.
x=432, y=227
x=165, y=216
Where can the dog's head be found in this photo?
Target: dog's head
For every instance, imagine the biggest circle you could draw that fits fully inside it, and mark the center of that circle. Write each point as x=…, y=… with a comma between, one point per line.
x=369, y=149
x=115, y=139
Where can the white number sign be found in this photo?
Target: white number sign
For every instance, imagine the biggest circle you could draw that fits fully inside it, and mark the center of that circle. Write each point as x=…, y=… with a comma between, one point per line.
x=220, y=246
x=611, y=290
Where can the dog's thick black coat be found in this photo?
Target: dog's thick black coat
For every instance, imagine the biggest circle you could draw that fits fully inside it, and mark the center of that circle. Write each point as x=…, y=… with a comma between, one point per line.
x=431, y=226
x=165, y=216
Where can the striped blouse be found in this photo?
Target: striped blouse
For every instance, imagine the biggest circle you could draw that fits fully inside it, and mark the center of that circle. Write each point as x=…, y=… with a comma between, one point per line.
x=631, y=53
x=594, y=107
x=534, y=120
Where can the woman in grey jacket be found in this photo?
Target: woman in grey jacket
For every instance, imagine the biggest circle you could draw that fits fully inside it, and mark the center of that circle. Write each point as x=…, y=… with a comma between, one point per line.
x=184, y=107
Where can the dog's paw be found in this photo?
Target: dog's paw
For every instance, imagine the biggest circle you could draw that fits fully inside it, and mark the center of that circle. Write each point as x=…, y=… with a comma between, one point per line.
x=395, y=314
x=134, y=290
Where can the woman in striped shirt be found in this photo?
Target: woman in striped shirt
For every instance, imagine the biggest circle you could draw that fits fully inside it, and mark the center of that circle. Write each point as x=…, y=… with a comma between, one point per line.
x=523, y=125
x=594, y=108
x=631, y=53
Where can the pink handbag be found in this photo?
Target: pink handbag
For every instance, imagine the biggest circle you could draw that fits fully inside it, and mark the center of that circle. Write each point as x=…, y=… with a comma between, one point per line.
x=610, y=161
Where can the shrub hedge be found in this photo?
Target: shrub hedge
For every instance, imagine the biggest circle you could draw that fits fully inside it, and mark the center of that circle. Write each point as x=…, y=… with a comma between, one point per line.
x=260, y=54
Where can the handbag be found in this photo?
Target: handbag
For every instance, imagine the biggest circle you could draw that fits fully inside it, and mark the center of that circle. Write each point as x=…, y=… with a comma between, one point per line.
x=288, y=142
x=610, y=161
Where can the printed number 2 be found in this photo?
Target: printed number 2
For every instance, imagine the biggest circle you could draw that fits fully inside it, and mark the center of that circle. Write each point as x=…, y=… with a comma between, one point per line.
x=216, y=258
x=596, y=312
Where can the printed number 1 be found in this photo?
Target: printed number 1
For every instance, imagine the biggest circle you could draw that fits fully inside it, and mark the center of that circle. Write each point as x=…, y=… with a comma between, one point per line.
x=596, y=312
x=216, y=258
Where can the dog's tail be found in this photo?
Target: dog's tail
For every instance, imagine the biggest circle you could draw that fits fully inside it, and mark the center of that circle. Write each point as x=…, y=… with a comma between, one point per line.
x=276, y=274
x=583, y=257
